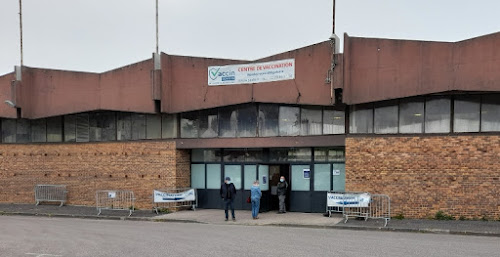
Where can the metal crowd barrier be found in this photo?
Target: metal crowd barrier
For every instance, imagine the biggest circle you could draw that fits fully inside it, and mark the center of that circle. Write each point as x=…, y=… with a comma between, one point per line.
x=380, y=208
x=360, y=205
x=115, y=200
x=166, y=198
x=50, y=193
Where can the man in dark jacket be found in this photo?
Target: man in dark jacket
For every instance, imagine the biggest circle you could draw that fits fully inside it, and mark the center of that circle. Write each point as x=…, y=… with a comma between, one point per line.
x=228, y=193
x=282, y=189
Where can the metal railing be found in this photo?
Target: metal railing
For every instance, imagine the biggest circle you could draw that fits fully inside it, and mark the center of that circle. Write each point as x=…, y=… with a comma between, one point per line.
x=380, y=208
x=115, y=200
x=166, y=198
x=50, y=193
x=359, y=205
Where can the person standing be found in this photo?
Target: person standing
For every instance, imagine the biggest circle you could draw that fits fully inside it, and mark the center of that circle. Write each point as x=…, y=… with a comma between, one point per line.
x=228, y=193
x=282, y=189
x=255, y=195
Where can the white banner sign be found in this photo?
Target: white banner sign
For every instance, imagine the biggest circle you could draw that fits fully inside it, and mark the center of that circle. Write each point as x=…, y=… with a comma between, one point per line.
x=251, y=73
x=162, y=197
x=348, y=200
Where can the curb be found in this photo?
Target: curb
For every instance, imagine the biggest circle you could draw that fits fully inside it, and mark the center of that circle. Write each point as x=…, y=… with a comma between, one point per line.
x=91, y=217
x=340, y=227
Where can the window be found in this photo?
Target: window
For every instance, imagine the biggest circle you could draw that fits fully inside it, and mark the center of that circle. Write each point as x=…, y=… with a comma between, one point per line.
x=82, y=127
x=209, y=124
x=228, y=122
x=54, y=129
x=70, y=128
x=213, y=176
x=153, y=126
x=336, y=155
x=466, y=114
x=361, y=119
x=206, y=155
x=8, y=130
x=264, y=177
x=169, y=126
x=38, y=131
x=321, y=177
x=268, y=120
x=102, y=126
x=234, y=173
x=299, y=180
x=310, y=121
x=278, y=155
x=198, y=176
x=333, y=122
x=250, y=176
x=386, y=119
x=189, y=125
x=247, y=121
x=124, y=126
x=411, y=116
x=23, y=131
x=138, y=126
x=320, y=154
x=253, y=155
x=234, y=155
x=299, y=155
x=338, y=177
x=289, y=123
x=490, y=113
x=437, y=115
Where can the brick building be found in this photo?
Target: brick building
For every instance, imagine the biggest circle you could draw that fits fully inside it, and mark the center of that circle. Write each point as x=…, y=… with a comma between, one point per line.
x=416, y=120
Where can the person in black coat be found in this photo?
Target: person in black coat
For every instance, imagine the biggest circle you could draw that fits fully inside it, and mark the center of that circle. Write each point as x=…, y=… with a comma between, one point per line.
x=228, y=193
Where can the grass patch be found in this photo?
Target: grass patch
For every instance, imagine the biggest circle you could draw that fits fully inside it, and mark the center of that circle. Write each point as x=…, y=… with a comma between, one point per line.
x=399, y=217
x=440, y=215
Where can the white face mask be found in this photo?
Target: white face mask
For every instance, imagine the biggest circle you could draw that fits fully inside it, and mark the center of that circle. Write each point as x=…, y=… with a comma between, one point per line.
x=228, y=182
x=282, y=180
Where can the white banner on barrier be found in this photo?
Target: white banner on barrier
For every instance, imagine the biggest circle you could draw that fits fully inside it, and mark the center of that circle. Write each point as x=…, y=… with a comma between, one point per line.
x=251, y=73
x=162, y=197
x=348, y=199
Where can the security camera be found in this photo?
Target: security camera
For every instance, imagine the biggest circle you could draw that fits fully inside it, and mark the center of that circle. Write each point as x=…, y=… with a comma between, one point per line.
x=10, y=103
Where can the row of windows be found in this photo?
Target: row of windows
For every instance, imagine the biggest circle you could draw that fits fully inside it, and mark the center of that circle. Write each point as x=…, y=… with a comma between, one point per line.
x=262, y=120
x=428, y=115
x=317, y=177
x=268, y=155
x=472, y=113
x=90, y=127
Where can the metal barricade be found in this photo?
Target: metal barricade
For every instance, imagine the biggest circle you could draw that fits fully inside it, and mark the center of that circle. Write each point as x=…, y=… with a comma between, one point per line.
x=380, y=207
x=332, y=202
x=115, y=200
x=360, y=205
x=50, y=193
x=167, y=198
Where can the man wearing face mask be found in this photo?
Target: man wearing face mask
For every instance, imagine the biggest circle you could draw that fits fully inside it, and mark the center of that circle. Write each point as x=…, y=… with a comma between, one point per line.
x=228, y=193
x=282, y=188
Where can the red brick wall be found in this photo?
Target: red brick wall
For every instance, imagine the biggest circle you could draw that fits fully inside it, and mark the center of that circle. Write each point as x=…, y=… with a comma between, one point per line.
x=85, y=168
x=459, y=175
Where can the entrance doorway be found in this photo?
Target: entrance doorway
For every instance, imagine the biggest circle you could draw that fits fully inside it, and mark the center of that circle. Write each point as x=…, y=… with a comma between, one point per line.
x=275, y=172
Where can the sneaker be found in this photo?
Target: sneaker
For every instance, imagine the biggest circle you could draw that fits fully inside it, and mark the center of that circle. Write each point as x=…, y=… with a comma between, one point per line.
x=225, y=219
x=234, y=219
x=256, y=218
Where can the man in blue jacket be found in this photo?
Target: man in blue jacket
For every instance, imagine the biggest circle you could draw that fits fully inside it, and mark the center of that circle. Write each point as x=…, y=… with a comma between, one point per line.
x=228, y=193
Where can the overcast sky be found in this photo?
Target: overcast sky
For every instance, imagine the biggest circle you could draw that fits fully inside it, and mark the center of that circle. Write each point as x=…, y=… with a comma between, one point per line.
x=99, y=35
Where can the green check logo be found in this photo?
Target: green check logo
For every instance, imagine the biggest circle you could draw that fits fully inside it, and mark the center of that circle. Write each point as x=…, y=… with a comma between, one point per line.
x=213, y=73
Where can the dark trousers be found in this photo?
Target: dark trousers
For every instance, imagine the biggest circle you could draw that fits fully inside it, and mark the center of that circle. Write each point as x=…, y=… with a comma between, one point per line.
x=228, y=203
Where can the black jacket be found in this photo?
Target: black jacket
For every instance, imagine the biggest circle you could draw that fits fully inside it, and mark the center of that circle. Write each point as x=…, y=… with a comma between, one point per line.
x=227, y=191
x=282, y=188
